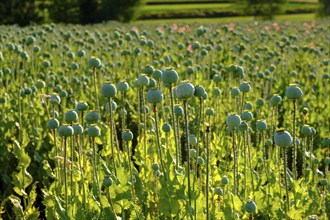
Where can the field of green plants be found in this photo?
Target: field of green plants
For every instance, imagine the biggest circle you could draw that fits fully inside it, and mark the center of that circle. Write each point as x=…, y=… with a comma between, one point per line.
x=176, y=121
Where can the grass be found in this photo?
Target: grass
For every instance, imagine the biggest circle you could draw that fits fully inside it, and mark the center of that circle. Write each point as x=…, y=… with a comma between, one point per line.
x=293, y=17
x=167, y=9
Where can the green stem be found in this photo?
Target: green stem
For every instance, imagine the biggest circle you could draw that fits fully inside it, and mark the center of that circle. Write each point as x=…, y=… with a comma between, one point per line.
x=65, y=177
x=81, y=173
x=95, y=166
x=187, y=149
x=96, y=93
x=294, y=151
x=130, y=170
x=235, y=164
x=111, y=138
x=177, y=158
x=286, y=181
x=207, y=171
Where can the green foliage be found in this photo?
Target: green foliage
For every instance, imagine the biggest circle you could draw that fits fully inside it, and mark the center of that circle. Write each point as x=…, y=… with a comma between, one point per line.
x=266, y=9
x=324, y=8
x=122, y=10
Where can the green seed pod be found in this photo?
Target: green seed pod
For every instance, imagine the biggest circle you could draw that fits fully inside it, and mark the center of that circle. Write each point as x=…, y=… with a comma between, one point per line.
x=269, y=142
x=108, y=90
x=293, y=92
x=166, y=128
x=247, y=116
x=200, y=161
x=218, y=191
x=81, y=106
x=94, y=62
x=250, y=207
x=234, y=91
x=78, y=129
x=123, y=86
x=107, y=181
x=155, y=167
x=216, y=92
x=209, y=112
x=185, y=90
x=327, y=160
x=154, y=96
x=40, y=84
x=233, y=121
x=178, y=111
x=148, y=70
x=192, y=140
x=260, y=102
x=65, y=131
x=282, y=138
x=71, y=116
x=217, y=78
x=224, y=180
x=248, y=106
x=245, y=87
x=306, y=130
x=143, y=80
x=243, y=126
x=170, y=76
x=54, y=99
x=275, y=100
x=199, y=91
x=261, y=125
x=93, y=131
x=157, y=74
x=53, y=124
x=193, y=153
x=92, y=117
x=323, y=182
x=127, y=135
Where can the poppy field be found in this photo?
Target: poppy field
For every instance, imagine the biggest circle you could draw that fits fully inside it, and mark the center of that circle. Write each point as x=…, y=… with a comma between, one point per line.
x=175, y=121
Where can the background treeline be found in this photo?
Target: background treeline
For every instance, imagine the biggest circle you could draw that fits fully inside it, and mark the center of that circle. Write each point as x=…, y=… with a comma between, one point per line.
x=25, y=12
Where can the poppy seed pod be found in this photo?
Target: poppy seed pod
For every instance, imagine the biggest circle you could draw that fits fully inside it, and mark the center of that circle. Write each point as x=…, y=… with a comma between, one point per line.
x=65, y=131
x=218, y=191
x=81, y=106
x=123, y=86
x=250, y=207
x=306, y=130
x=107, y=181
x=185, y=90
x=166, y=128
x=154, y=96
x=245, y=87
x=108, y=90
x=71, y=116
x=199, y=91
x=243, y=126
x=275, y=100
x=54, y=99
x=235, y=91
x=157, y=74
x=216, y=92
x=78, y=129
x=127, y=135
x=148, y=70
x=170, y=76
x=192, y=140
x=233, y=121
x=92, y=117
x=261, y=125
x=247, y=116
x=53, y=124
x=178, y=111
x=94, y=63
x=94, y=131
x=143, y=80
x=209, y=112
x=293, y=92
x=282, y=138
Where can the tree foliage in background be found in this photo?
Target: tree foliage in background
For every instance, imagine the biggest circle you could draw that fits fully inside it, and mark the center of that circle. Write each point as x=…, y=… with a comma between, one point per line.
x=265, y=9
x=325, y=8
x=25, y=12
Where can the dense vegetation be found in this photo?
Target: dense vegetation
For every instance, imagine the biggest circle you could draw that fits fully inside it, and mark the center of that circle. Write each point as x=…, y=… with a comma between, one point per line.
x=165, y=122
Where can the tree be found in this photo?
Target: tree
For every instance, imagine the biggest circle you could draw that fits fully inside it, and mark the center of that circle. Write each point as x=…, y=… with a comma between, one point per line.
x=325, y=8
x=122, y=10
x=65, y=11
x=89, y=12
x=266, y=9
